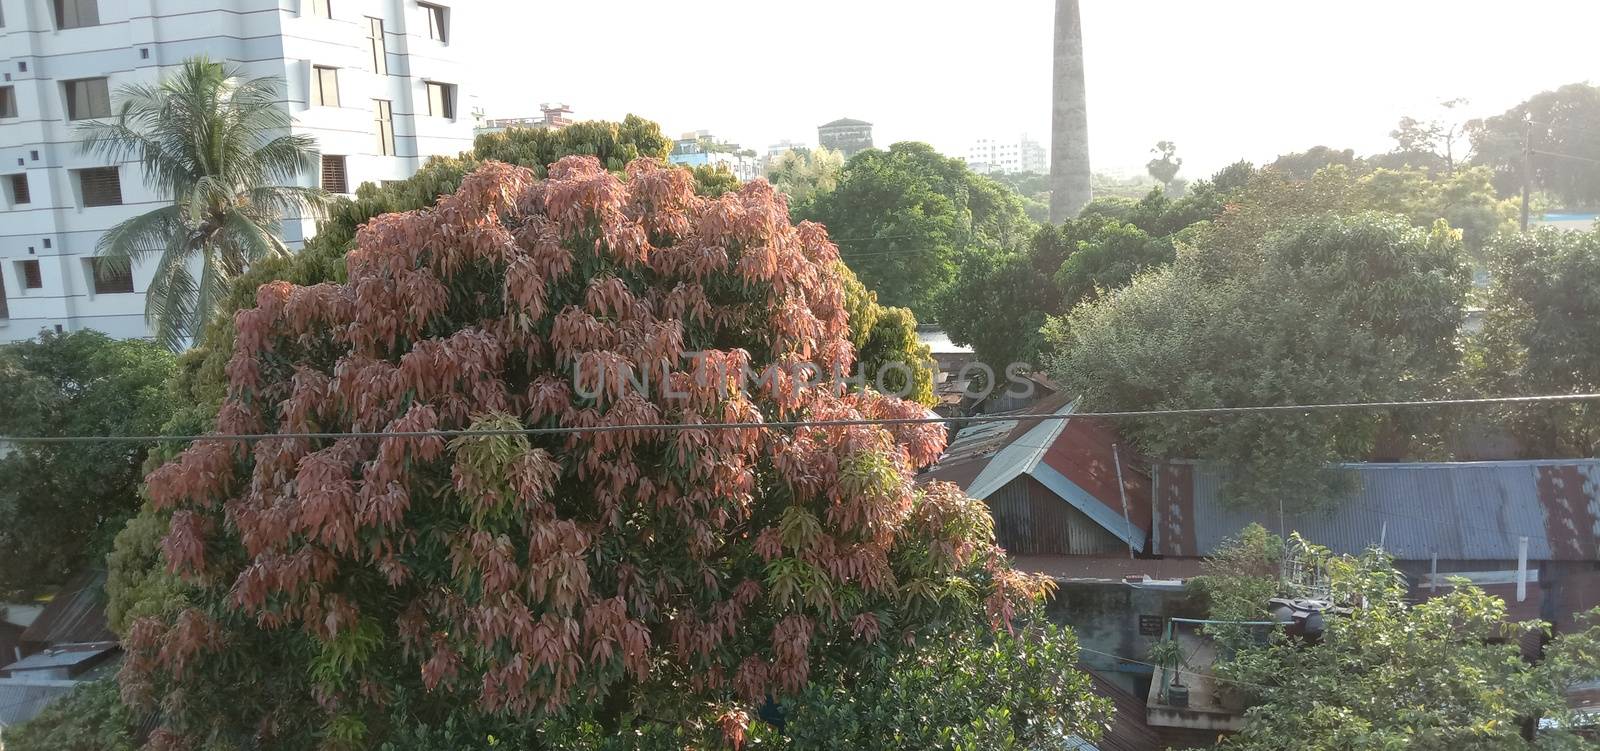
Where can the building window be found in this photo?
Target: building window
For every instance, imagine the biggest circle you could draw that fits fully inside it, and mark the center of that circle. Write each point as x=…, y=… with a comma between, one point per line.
x=321, y=8
x=8, y=101
x=110, y=277
x=324, y=86
x=436, y=22
x=441, y=99
x=380, y=56
x=333, y=175
x=100, y=186
x=71, y=14
x=5, y=311
x=31, y=278
x=383, y=113
x=17, y=186
x=88, y=98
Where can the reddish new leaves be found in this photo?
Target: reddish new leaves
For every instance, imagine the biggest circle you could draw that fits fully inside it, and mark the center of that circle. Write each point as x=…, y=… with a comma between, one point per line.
x=532, y=572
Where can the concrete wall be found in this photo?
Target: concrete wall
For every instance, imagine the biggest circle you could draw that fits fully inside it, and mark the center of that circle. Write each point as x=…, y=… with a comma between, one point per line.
x=135, y=43
x=1105, y=616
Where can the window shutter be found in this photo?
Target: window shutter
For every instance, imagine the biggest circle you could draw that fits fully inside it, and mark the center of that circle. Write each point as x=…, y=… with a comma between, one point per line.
x=111, y=278
x=333, y=175
x=100, y=186
x=31, y=278
x=19, y=189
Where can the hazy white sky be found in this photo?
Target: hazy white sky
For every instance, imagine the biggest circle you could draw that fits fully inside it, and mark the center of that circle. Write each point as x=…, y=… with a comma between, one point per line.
x=1225, y=79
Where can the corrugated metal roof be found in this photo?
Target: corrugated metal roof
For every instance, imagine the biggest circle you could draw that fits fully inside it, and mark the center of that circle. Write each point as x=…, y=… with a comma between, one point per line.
x=1128, y=731
x=1453, y=510
x=1072, y=457
x=77, y=614
x=61, y=657
x=21, y=701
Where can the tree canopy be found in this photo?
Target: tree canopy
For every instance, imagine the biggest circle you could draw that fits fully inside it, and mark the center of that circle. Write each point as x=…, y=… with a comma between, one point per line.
x=1443, y=673
x=999, y=301
x=1541, y=311
x=60, y=504
x=323, y=259
x=1323, y=308
x=903, y=218
x=400, y=587
x=803, y=174
x=1565, y=142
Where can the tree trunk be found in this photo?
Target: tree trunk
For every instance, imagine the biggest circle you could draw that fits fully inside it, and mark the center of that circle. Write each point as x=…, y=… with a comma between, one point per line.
x=1069, y=120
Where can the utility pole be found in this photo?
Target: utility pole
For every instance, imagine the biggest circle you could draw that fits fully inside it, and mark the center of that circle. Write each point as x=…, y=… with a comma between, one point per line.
x=1527, y=168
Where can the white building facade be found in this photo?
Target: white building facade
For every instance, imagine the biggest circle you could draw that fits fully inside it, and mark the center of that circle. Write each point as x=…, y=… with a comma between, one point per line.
x=989, y=155
x=377, y=83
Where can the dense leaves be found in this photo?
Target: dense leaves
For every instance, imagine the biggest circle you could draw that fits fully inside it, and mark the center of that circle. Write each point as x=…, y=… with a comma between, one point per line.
x=999, y=301
x=1542, y=312
x=803, y=174
x=627, y=577
x=905, y=216
x=91, y=718
x=1444, y=673
x=1008, y=692
x=60, y=504
x=323, y=259
x=1322, y=309
x=1564, y=139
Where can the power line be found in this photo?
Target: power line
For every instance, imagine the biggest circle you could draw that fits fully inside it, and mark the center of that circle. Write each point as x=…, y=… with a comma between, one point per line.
x=788, y=424
x=1574, y=157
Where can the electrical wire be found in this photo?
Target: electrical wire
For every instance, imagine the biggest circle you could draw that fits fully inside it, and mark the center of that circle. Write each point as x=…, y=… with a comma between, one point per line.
x=809, y=424
x=1212, y=676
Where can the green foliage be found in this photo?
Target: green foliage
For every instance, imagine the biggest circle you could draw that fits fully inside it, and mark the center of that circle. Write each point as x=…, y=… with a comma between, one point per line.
x=216, y=146
x=1322, y=309
x=1111, y=257
x=1301, y=165
x=884, y=338
x=999, y=302
x=713, y=180
x=1563, y=123
x=137, y=582
x=803, y=174
x=1541, y=313
x=60, y=504
x=973, y=691
x=903, y=217
x=1444, y=673
x=1240, y=577
x=1465, y=199
x=91, y=718
x=614, y=144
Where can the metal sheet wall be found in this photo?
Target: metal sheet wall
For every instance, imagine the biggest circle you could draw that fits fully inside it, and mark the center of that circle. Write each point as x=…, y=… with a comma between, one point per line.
x=1031, y=520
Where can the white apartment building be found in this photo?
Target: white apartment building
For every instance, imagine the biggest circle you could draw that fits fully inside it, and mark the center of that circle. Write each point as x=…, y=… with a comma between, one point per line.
x=990, y=155
x=376, y=82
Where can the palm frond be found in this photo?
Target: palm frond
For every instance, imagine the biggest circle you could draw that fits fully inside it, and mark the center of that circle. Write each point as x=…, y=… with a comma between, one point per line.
x=169, y=303
x=134, y=238
x=214, y=143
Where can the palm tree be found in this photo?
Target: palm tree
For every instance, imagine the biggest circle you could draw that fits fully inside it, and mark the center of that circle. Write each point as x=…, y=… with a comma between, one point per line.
x=219, y=146
x=1069, y=118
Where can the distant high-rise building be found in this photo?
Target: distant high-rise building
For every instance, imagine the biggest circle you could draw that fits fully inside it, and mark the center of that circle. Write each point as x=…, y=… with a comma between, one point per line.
x=846, y=135
x=989, y=155
x=381, y=86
